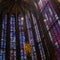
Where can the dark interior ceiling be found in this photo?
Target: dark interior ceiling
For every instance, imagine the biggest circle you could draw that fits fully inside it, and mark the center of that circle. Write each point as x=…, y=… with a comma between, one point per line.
x=14, y=6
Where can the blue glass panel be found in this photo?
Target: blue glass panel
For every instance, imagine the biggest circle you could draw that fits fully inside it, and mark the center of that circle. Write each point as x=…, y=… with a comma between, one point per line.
x=12, y=39
x=22, y=38
x=3, y=39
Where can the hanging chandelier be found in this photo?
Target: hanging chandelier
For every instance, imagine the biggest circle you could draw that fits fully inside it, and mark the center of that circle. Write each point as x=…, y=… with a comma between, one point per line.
x=28, y=49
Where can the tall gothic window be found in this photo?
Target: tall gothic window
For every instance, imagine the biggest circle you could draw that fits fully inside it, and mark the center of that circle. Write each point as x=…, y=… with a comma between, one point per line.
x=3, y=39
x=51, y=20
x=12, y=39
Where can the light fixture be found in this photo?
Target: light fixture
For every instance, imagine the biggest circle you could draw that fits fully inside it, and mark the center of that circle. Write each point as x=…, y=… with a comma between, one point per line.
x=28, y=49
x=45, y=20
x=22, y=18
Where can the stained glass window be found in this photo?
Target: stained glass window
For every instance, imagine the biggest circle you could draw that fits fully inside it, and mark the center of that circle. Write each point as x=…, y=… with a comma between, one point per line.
x=30, y=35
x=3, y=39
x=12, y=39
x=42, y=4
x=52, y=24
x=50, y=15
x=38, y=39
x=22, y=38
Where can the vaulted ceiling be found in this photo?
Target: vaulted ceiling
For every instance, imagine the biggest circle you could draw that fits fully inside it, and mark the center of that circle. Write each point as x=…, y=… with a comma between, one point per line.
x=17, y=5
